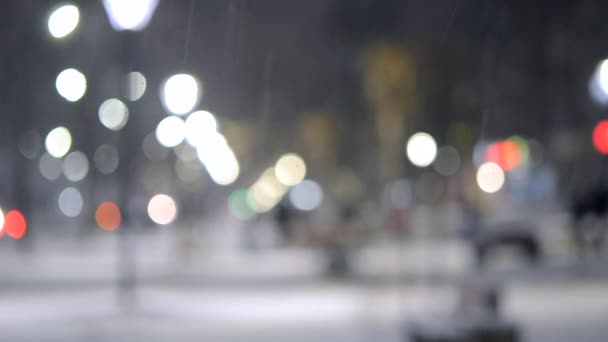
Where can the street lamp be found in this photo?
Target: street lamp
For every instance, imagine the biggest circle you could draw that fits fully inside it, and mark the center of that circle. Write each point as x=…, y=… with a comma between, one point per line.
x=128, y=16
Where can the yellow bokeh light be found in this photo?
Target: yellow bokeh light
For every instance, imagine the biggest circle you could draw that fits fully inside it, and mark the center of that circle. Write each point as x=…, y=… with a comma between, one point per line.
x=290, y=169
x=58, y=142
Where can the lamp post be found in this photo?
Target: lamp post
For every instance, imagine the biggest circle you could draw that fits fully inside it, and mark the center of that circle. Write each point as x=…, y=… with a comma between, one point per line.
x=127, y=16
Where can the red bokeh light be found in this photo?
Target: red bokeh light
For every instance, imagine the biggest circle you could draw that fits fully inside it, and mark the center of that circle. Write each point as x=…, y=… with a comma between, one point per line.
x=15, y=224
x=600, y=137
x=108, y=216
x=506, y=154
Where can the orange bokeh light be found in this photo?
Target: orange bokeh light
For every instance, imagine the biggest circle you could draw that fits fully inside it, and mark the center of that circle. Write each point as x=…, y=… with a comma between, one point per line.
x=108, y=216
x=505, y=154
x=15, y=224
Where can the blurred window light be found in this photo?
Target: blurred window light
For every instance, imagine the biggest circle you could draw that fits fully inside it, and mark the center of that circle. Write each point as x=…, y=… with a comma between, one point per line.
x=290, y=169
x=600, y=137
x=58, y=142
x=15, y=224
x=153, y=150
x=421, y=149
x=63, y=21
x=113, y=114
x=132, y=15
x=30, y=144
x=108, y=216
x=106, y=159
x=447, y=162
x=136, y=85
x=180, y=93
x=75, y=166
x=490, y=177
x=162, y=209
x=71, y=84
x=70, y=202
x=200, y=125
x=171, y=131
x=50, y=167
x=306, y=196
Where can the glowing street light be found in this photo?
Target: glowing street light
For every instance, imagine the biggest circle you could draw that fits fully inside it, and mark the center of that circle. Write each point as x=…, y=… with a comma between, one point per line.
x=129, y=15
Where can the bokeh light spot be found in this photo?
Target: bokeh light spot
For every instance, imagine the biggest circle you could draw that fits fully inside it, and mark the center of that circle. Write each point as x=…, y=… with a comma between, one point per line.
x=170, y=131
x=49, y=166
x=290, y=169
x=180, y=94
x=239, y=204
x=200, y=125
x=306, y=196
x=58, y=142
x=75, y=166
x=113, y=114
x=490, y=177
x=70, y=202
x=600, y=137
x=421, y=149
x=15, y=224
x=136, y=85
x=1, y=222
x=162, y=209
x=71, y=84
x=108, y=216
x=63, y=21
